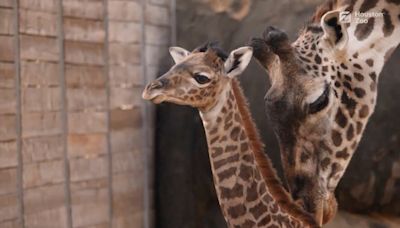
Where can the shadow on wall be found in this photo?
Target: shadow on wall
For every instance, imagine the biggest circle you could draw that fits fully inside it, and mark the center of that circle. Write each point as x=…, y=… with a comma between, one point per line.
x=185, y=194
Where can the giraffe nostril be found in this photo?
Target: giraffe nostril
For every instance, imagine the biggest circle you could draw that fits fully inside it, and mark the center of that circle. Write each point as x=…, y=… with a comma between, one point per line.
x=155, y=85
x=158, y=84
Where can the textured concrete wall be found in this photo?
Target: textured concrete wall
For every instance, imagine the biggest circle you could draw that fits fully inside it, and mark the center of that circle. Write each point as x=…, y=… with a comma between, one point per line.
x=75, y=137
x=371, y=183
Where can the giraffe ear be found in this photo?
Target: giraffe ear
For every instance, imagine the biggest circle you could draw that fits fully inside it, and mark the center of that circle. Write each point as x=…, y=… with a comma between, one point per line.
x=237, y=61
x=178, y=53
x=333, y=24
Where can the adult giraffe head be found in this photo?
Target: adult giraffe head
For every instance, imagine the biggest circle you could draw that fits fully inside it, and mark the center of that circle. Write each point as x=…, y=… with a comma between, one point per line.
x=323, y=91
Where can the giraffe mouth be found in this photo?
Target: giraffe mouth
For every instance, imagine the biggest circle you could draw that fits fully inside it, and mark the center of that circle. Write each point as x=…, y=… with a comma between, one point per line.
x=153, y=96
x=158, y=99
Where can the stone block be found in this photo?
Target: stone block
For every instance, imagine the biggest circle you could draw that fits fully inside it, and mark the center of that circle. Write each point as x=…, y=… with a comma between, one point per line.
x=47, y=219
x=6, y=21
x=125, y=140
x=80, y=76
x=8, y=207
x=39, y=74
x=37, y=23
x=44, y=198
x=8, y=180
x=86, y=169
x=8, y=101
x=38, y=174
x=8, y=127
x=124, y=10
x=41, y=99
x=87, y=122
x=39, y=5
x=7, y=3
x=125, y=119
x=39, y=149
x=125, y=76
x=41, y=124
x=124, y=54
x=10, y=224
x=125, y=98
x=86, y=145
x=84, y=30
x=39, y=48
x=90, y=9
x=84, y=53
x=7, y=48
x=160, y=2
x=8, y=154
x=124, y=32
x=86, y=99
x=7, y=72
x=89, y=184
x=89, y=207
x=131, y=161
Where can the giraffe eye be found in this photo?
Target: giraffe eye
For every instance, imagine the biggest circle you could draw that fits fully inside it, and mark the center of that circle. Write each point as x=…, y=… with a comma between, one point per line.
x=201, y=79
x=321, y=102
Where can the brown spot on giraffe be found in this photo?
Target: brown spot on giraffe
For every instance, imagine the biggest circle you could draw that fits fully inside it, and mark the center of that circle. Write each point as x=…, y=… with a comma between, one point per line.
x=388, y=26
x=234, y=192
x=252, y=193
x=340, y=118
x=226, y=174
x=336, y=138
x=364, y=30
x=258, y=210
x=245, y=172
x=343, y=154
x=223, y=162
x=350, y=132
x=237, y=211
x=364, y=111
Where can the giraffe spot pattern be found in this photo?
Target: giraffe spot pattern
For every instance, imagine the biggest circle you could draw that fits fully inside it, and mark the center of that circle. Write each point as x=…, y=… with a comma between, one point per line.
x=220, y=163
x=237, y=211
x=336, y=138
x=230, y=193
x=258, y=210
x=343, y=154
x=226, y=174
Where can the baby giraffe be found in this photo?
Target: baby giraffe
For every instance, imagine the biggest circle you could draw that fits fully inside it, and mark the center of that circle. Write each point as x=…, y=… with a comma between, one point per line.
x=249, y=191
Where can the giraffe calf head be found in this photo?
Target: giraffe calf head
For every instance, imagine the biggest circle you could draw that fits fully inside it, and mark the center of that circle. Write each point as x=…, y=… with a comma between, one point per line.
x=198, y=77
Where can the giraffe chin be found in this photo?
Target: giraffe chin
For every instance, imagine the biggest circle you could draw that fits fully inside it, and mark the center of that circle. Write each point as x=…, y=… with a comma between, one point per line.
x=158, y=99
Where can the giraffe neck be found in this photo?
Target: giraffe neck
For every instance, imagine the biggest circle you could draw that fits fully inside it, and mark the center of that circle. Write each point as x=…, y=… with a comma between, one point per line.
x=245, y=197
x=369, y=47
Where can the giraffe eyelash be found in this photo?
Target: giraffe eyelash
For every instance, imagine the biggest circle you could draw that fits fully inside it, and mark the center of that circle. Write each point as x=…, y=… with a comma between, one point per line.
x=321, y=102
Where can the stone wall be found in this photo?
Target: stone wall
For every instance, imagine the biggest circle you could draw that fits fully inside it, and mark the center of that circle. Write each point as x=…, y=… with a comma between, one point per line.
x=75, y=137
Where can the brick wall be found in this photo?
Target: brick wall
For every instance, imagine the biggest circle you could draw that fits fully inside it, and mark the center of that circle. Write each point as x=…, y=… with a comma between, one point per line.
x=75, y=137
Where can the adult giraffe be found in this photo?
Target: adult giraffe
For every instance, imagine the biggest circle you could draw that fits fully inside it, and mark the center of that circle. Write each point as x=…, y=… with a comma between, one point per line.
x=249, y=192
x=323, y=91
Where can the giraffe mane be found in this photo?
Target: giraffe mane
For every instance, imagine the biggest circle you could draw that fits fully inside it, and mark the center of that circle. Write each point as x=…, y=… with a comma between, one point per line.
x=264, y=163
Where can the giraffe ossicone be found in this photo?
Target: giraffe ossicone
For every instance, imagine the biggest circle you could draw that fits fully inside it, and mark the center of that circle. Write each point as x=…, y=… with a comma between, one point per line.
x=323, y=91
x=249, y=191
